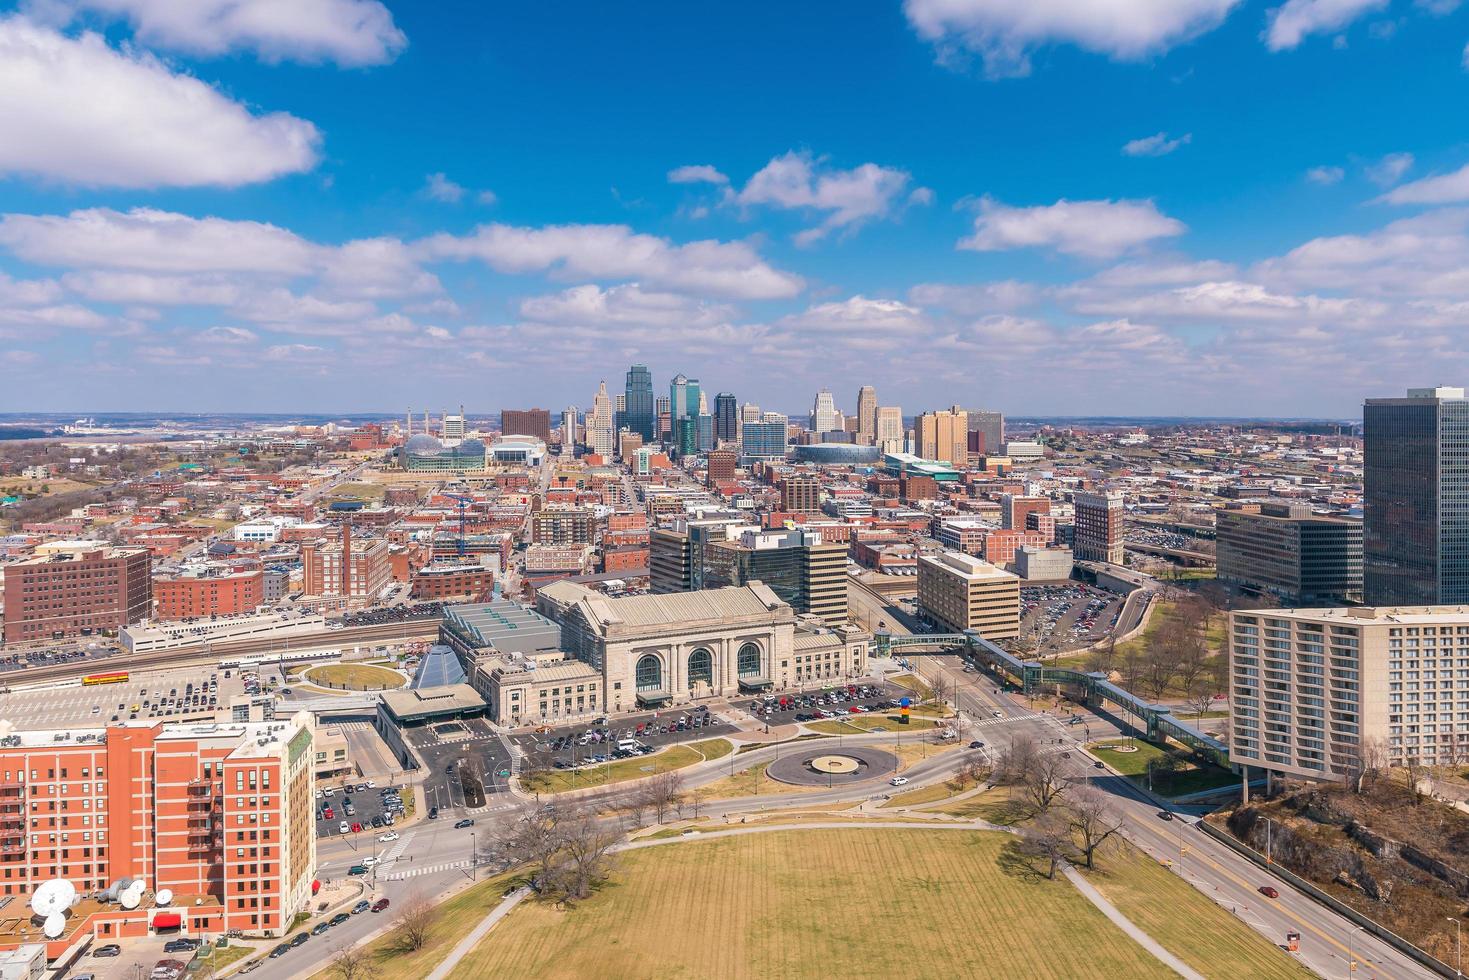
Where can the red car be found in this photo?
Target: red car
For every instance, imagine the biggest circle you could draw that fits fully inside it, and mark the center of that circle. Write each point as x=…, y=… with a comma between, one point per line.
x=854, y=710
x=357, y=828
x=380, y=905
x=1269, y=892
x=327, y=814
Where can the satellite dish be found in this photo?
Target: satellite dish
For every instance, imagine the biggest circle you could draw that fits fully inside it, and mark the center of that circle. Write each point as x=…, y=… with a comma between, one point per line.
x=130, y=899
x=54, y=925
x=164, y=896
x=53, y=897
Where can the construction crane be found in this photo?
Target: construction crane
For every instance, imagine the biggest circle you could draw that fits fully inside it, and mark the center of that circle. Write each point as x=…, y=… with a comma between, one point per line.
x=464, y=502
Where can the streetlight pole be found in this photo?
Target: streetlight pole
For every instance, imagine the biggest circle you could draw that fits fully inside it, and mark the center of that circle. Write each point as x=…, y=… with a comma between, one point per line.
x=1351, y=950
x=473, y=856
x=1458, y=946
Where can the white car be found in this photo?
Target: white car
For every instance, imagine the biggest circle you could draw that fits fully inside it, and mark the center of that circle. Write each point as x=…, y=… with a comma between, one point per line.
x=898, y=781
x=368, y=862
x=389, y=836
x=344, y=827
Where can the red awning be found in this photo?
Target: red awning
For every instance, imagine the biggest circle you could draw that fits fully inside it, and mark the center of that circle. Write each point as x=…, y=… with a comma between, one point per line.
x=167, y=920
x=315, y=887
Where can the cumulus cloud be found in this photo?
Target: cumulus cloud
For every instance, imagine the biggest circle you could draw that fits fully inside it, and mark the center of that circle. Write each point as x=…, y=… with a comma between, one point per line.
x=621, y=305
x=348, y=32
x=973, y=300
x=796, y=181
x=78, y=111
x=698, y=173
x=616, y=252
x=857, y=314
x=440, y=188
x=1390, y=169
x=1005, y=32
x=1157, y=145
x=1446, y=188
x=1293, y=22
x=1325, y=175
x=1091, y=229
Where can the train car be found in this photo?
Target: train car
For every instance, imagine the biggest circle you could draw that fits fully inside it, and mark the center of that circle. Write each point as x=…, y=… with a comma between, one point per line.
x=112, y=677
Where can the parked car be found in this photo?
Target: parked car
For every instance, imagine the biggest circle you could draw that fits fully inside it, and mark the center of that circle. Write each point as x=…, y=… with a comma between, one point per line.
x=361, y=907
x=344, y=827
x=280, y=950
x=320, y=928
x=181, y=945
x=108, y=949
x=299, y=939
x=340, y=917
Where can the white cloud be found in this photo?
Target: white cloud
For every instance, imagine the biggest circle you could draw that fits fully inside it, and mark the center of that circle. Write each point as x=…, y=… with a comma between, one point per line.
x=158, y=290
x=1093, y=229
x=991, y=297
x=1157, y=145
x=696, y=173
x=619, y=305
x=1134, y=274
x=282, y=307
x=227, y=336
x=348, y=32
x=64, y=315
x=1290, y=24
x=374, y=268
x=487, y=198
x=1439, y=189
x=78, y=111
x=616, y=252
x=1390, y=169
x=1325, y=175
x=921, y=196
x=1229, y=301
x=28, y=292
x=1004, y=32
x=857, y=315
x=850, y=197
x=440, y=188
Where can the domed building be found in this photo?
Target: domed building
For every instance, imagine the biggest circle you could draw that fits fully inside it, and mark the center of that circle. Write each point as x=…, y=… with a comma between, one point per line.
x=425, y=454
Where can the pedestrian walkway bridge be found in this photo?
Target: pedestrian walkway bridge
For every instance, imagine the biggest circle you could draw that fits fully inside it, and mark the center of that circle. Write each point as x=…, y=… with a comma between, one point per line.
x=1032, y=676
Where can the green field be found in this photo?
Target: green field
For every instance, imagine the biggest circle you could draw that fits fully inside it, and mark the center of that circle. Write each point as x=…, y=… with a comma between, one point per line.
x=861, y=902
x=1191, y=778
x=353, y=677
x=676, y=757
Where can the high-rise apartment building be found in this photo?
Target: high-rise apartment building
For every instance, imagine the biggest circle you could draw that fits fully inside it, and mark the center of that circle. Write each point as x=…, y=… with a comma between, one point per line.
x=959, y=592
x=1316, y=692
x=824, y=416
x=726, y=418
x=943, y=436
x=1415, y=529
x=749, y=412
x=1098, y=527
x=763, y=439
x=85, y=589
x=563, y=526
x=662, y=419
x=526, y=422
x=706, y=432
x=600, y=434
x=676, y=554
x=800, y=493
x=1285, y=550
x=219, y=814
x=867, y=415
x=365, y=574
x=986, y=432
x=452, y=427
x=889, y=429
x=722, y=466
x=639, y=414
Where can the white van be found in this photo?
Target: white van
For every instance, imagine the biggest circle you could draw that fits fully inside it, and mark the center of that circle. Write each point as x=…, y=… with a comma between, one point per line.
x=628, y=745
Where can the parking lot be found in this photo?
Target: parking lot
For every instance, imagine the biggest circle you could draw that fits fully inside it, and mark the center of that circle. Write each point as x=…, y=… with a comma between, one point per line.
x=829, y=702
x=368, y=811
x=393, y=614
x=588, y=742
x=466, y=764
x=162, y=696
x=1068, y=616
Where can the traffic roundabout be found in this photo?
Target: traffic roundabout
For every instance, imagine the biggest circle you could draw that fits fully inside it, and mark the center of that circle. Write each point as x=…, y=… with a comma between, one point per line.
x=817, y=766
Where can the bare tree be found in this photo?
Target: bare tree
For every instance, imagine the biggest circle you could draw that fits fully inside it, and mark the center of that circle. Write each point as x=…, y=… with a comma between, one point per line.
x=1200, y=695
x=1372, y=757
x=585, y=857
x=1192, y=658
x=662, y=793
x=1048, y=839
x=940, y=689
x=1016, y=759
x=1045, y=780
x=532, y=839
x=1104, y=657
x=415, y=917
x=354, y=963
x=1093, y=819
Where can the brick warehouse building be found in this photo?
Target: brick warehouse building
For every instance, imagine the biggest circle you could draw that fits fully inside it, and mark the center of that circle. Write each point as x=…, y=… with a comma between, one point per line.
x=78, y=592
x=221, y=815
x=216, y=592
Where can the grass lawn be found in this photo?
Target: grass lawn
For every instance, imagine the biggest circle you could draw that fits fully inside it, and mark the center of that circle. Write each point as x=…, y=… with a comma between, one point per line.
x=936, y=793
x=393, y=960
x=913, y=683
x=220, y=958
x=749, y=781
x=356, y=677
x=862, y=724
x=1184, y=920
x=405, y=793
x=358, y=491
x=747, y=907
x=1191, y=778
x=997, y=805
x=676, y=757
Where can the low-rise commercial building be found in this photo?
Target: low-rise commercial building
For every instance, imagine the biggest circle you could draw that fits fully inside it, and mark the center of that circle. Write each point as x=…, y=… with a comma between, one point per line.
x=208, y=592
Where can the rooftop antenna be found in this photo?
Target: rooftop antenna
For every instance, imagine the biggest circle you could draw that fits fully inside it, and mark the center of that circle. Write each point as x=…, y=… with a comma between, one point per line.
x=409, y=434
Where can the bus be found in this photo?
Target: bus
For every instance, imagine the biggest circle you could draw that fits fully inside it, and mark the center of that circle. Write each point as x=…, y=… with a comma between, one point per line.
x=113, y=677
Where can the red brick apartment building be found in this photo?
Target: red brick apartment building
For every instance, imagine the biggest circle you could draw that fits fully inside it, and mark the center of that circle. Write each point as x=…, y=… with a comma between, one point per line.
x=213, y=592
x=219, y=814
x=77, y=592
x=451, y=580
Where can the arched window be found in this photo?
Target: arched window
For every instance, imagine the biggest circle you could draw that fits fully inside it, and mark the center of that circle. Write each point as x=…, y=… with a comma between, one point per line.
x=649, y=674
x=749, y=660
x=701, y=668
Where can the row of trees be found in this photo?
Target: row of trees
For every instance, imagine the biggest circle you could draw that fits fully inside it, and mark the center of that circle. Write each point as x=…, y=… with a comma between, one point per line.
x=1175, y=657
x=1068, y=819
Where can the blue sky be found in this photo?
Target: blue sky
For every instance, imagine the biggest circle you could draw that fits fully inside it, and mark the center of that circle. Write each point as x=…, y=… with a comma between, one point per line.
x=1043, y=206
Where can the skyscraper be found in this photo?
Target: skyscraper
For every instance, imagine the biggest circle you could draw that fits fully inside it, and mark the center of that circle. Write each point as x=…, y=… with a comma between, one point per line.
x=1415, y=534
x=600, y=434
x=569, y=433
x=987, y=432
x=867, y=415
x=889, y=429
x=764, y=438
x=1098, y=526
x=638, y=413
x=726, y=417
x=824, y=412
x=943, y=436
x=683, y=399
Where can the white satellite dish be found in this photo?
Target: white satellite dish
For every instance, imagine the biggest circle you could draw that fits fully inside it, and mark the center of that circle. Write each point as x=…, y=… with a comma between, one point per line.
x=164, y=896
x=130, y=899
x=53, y=897
x=54, y=925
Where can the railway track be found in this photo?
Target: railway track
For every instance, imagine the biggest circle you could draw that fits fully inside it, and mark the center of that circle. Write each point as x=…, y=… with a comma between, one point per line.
x=213, y=653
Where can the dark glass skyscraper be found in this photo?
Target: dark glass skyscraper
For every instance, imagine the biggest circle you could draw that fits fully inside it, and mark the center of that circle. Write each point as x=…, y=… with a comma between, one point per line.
x=1415, y=533
x=726, y=417
x=637, y=413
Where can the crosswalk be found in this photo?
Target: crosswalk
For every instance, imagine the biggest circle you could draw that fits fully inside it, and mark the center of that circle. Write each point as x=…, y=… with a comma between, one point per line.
x=402, y=872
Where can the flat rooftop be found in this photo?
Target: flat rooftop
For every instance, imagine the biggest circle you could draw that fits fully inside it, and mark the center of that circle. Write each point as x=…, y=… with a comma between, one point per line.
x=507, y=626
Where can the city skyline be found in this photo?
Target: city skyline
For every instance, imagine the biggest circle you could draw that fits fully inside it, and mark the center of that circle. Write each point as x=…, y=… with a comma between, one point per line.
x=1053, y=220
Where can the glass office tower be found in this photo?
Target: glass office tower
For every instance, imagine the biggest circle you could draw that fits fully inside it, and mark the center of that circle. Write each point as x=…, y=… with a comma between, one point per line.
x=637, y=413
x=1415, y=534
